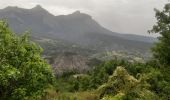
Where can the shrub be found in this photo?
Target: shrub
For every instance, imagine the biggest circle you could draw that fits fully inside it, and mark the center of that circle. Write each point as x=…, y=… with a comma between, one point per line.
x=23, y=73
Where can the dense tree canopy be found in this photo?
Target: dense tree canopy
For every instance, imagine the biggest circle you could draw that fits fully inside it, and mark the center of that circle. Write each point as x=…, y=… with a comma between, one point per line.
x=161, y=51
x=23, y=73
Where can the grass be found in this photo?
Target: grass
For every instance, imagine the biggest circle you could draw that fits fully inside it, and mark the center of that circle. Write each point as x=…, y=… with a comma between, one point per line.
x=77, y=96
x=88, y=95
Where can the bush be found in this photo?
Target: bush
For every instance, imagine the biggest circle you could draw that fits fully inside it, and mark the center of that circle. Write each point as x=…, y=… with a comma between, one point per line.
x=23, y=73
x=122, y=86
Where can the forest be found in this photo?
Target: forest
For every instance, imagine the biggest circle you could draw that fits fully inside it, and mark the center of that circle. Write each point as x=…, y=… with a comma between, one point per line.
x=25, y=75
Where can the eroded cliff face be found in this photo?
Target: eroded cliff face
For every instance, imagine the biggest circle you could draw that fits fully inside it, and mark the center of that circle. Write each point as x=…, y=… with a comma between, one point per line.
x=69, y=62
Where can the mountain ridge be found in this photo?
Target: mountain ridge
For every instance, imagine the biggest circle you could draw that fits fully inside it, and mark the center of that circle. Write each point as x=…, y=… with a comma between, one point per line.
x=76, y=28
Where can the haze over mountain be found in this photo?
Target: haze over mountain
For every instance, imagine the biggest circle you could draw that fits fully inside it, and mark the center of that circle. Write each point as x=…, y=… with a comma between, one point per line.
x=78, y=28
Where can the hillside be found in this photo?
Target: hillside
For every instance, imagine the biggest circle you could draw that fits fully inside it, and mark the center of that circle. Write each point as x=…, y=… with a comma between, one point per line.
x=78, y=28
x=77, y=33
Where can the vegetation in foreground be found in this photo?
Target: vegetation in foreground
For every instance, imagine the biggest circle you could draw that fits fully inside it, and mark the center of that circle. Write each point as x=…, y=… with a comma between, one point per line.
x=24, y=75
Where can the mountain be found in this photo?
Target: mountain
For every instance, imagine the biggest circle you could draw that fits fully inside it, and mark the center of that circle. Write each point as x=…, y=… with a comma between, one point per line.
x=78, y=28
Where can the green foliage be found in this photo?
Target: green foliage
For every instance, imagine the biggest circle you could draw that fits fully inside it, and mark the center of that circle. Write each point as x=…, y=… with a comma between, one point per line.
x=122, y=86
x=23, y=73
x=141, y=80
x=120, y=81
x=88, y=95
x=96, y=77
x=119, y=96
x=134, y=81
x=100, y=74
x=161, y=51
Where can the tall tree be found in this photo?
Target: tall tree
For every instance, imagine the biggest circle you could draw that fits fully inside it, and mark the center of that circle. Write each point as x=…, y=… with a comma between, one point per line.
x=23, y=73
x=161, y=51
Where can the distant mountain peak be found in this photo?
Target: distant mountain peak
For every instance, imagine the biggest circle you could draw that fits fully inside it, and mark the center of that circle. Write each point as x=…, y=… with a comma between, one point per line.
x=38, y=7
x=78, y=14
x=11, y=8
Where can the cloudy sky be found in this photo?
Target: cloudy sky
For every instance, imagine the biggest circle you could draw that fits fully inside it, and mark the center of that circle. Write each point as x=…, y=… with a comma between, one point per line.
x=125, y=16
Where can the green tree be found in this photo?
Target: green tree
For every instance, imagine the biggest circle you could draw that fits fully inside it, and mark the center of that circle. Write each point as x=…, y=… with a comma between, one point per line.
x=161, y=51
x=23, y=73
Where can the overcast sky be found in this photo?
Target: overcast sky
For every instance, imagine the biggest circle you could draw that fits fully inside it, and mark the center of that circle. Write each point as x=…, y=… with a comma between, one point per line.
x=123, y=16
